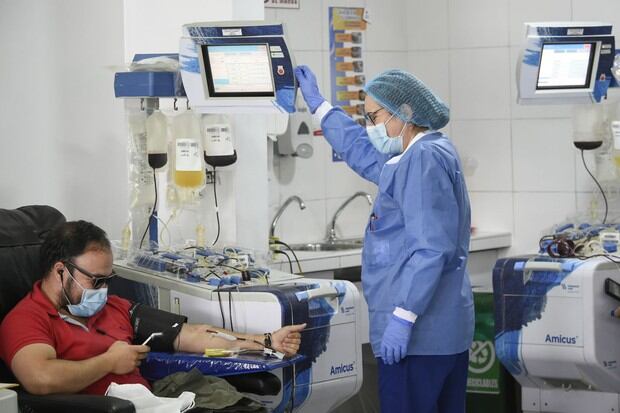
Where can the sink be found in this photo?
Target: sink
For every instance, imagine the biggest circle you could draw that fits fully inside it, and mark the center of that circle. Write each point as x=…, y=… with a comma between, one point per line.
x=329, y=246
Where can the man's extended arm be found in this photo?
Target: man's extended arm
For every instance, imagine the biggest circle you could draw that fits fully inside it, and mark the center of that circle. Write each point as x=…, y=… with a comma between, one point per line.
x=195, y=338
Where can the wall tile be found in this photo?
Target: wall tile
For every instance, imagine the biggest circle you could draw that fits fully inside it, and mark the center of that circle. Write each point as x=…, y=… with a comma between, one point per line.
x=303, y=26
x=536, y=214
x=486, y=144
x=591, y=207
x=352, y=220
x=340, y=180
x=377, y=62
x=543, y=155
x=271, y=15
x=385, y=31
x=583, y=181
x=305, y=225
x=525, y=11
x=492, y=211
x=273, y=171
x=479, y=83
x=427, y=24
x=607, y=11
x=433, y=68
x=478, y=23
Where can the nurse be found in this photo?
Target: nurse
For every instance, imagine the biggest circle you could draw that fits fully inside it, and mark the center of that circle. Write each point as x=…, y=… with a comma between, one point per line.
x=416, y=241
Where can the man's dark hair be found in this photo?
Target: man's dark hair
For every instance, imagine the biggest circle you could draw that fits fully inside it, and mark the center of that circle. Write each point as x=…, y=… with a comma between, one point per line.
x=69, y=240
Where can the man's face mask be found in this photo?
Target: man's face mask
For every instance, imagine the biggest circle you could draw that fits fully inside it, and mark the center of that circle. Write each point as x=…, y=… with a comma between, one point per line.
x=378, y=136
x=93, y=300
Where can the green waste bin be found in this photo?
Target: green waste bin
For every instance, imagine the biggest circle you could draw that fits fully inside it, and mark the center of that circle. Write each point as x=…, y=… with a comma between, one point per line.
x=490, y=388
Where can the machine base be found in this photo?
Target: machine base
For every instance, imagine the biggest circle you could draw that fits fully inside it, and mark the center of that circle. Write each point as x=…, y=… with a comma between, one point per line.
x=569, y=401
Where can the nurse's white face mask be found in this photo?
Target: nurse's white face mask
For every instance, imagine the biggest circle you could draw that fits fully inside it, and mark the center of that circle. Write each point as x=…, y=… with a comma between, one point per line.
x=378, y=136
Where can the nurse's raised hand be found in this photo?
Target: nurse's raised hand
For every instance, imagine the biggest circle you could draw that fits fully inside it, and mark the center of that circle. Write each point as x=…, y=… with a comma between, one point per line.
x=309, y=87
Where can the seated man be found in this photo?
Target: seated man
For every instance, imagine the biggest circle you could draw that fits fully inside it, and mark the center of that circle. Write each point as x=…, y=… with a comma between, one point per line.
x=68, y=336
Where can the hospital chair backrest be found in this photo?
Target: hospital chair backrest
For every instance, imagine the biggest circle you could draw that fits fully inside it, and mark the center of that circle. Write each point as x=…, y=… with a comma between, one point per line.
x=22, y=231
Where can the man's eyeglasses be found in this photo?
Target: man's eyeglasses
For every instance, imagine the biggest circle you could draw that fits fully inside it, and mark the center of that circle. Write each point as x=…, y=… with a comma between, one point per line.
x=97, y=280
x=372, y=116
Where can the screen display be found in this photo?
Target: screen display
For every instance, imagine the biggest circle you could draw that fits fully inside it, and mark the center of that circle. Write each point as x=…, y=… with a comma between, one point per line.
x=565, y=65
x=238, y=70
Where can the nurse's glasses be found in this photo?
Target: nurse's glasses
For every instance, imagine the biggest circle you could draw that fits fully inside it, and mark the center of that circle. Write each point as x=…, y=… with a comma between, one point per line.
x=372, y=116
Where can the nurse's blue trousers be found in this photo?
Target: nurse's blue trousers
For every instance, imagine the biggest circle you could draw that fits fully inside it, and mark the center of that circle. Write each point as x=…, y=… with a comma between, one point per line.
x=424, y=384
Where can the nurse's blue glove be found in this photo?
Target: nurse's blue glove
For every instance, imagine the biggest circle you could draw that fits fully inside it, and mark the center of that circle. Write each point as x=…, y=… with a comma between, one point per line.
x=309, y=87
x=395, y=340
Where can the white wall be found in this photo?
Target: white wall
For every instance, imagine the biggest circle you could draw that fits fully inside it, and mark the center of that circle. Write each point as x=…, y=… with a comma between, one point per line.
x=63, y=140
x=64, y=133
x=154, y=26
x=321, y=183
x=528, y=178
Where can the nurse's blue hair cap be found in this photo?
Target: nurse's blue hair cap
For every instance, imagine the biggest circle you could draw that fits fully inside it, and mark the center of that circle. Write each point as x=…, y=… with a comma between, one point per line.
x=407, y=97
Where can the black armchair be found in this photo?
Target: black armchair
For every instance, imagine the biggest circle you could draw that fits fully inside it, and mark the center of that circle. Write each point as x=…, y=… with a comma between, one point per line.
x=21, y=234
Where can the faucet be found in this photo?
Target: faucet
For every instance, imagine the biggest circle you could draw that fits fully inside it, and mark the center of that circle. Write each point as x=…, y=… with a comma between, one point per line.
x=331, y=234
x=281, y=210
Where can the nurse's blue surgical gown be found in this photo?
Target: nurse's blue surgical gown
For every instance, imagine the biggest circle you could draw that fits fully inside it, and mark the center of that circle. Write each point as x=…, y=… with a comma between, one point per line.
x=416, y=241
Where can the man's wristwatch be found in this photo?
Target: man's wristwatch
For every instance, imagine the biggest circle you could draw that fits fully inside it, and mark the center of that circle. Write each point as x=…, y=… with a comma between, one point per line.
x=268, y=340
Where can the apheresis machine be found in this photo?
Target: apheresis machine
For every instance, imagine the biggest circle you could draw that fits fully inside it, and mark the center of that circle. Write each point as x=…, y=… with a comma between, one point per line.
x=556, y=332
x=169, y=260
x=242, y=296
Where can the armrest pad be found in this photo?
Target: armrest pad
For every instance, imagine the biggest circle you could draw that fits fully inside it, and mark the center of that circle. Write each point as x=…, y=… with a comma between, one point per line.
x=62, y=403
x=262, y=384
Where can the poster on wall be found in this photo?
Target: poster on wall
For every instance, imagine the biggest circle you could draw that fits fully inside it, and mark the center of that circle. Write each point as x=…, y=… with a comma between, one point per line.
x=282, y=4
x=346, y=43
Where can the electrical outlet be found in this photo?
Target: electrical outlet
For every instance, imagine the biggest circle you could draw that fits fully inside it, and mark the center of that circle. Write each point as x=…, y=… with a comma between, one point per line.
x=210, y=177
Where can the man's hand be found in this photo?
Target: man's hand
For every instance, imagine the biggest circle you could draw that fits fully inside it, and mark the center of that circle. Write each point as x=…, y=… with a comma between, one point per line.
x=287, y=339
x=124, y=357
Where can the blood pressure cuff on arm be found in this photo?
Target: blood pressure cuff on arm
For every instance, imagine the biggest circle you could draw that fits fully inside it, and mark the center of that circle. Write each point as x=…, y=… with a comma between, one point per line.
x=147, y=320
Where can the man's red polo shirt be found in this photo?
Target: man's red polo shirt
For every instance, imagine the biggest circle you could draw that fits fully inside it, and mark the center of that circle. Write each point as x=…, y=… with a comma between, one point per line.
x=35, y=320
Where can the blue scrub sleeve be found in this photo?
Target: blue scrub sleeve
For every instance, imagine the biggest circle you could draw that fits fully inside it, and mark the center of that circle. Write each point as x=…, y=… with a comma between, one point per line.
x=351, y=143
x=425, y=193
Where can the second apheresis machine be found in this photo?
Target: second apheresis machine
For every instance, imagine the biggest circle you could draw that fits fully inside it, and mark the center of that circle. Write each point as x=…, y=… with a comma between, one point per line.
x=555, y=328
x=181, y=109
x=555, y=333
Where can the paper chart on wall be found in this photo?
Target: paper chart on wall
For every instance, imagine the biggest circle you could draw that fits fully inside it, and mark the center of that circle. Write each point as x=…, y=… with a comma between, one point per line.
x=346, y=43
